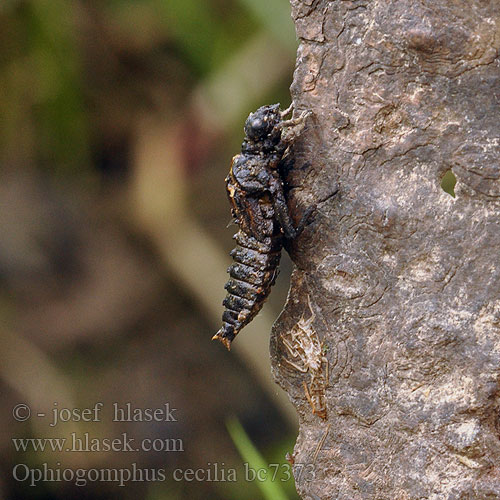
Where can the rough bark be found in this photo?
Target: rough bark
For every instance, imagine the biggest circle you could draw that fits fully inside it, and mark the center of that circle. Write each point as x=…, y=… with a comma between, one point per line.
x=402, y=278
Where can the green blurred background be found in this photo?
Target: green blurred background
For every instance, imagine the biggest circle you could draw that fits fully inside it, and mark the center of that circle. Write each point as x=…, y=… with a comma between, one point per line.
x=118, y=122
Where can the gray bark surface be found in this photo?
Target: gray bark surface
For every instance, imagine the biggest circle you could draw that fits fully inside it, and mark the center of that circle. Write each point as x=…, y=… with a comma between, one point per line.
x=396, y=281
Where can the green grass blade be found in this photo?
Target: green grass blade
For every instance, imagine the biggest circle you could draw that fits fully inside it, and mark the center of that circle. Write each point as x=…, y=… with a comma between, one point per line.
x=271, y=490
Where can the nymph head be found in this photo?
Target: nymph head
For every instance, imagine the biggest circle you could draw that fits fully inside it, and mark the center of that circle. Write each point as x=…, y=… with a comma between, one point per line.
x=262, y=125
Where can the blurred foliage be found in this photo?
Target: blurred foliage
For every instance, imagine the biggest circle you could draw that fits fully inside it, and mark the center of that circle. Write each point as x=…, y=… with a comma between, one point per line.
x=41, y=84
x=47, y=88
x=82, y=290
x=275, y=17
x=204, y=33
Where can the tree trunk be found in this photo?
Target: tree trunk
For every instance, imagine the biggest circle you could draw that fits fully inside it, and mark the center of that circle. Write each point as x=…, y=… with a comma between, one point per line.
x=389, y=344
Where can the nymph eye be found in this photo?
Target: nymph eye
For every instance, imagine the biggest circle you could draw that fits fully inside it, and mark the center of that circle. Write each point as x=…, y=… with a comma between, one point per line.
x=257, y=124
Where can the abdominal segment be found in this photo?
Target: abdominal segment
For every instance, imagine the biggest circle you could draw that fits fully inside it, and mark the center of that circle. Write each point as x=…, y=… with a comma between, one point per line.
x=252, y=275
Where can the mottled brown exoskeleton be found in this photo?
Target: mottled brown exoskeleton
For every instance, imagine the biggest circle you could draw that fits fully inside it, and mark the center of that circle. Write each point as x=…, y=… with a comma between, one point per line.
x=258, y=206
